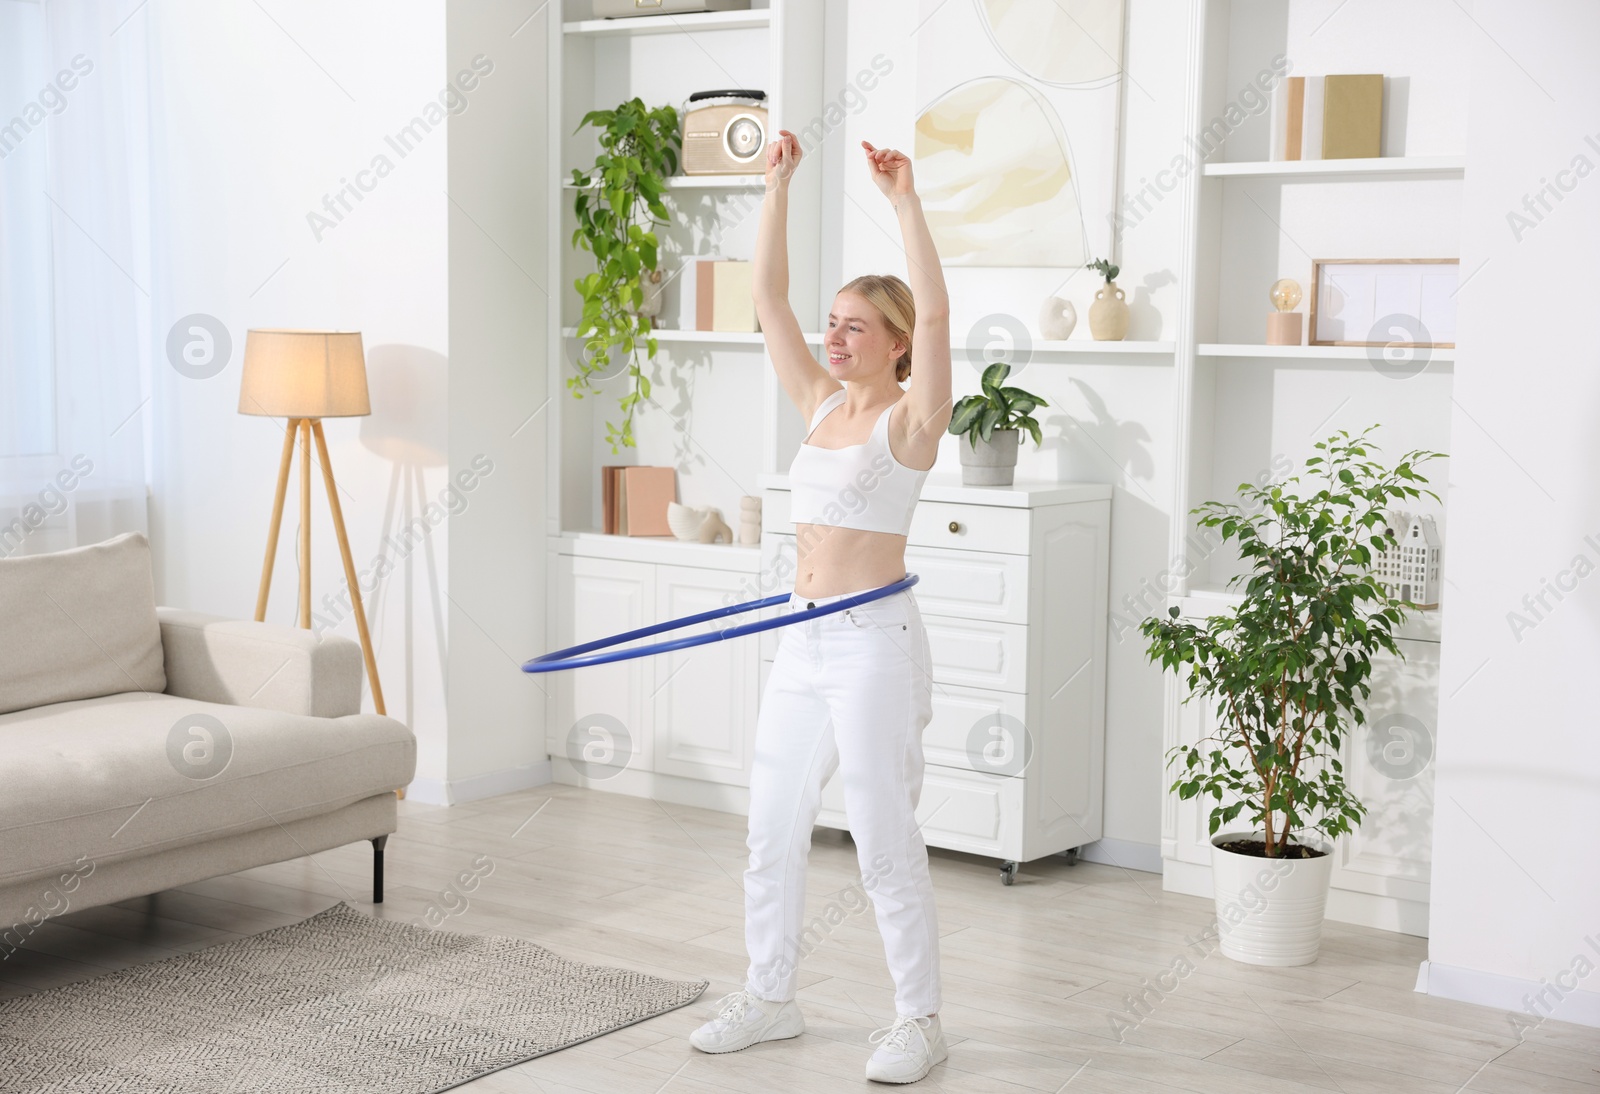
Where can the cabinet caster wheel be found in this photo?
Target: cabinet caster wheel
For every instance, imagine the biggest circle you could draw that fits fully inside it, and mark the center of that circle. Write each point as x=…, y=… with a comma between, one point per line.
x=1071, y=854
x=1008, y=873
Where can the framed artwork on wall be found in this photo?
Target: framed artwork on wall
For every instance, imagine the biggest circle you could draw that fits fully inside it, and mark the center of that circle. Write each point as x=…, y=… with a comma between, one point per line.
x=1384, y=302
x=1017, y=108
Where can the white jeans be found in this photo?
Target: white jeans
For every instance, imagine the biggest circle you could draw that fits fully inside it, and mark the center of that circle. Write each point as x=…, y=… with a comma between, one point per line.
x=851, y=691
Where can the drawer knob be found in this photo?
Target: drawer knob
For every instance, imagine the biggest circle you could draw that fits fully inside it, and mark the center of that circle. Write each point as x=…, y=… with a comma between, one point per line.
x=955, y=526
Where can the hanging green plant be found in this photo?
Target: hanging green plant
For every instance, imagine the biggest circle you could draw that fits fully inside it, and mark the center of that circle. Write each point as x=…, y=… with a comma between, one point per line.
x=617, y=206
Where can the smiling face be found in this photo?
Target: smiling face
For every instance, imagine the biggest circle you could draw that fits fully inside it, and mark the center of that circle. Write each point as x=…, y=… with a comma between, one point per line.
x=857, y=339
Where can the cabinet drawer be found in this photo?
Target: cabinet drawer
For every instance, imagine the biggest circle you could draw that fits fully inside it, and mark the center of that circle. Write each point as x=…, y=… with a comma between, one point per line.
x=999, y=528
x=970, y=527
x=973, y=653
x=977, y=730
x=977, y=653
x=958, y=810
x=964, y=585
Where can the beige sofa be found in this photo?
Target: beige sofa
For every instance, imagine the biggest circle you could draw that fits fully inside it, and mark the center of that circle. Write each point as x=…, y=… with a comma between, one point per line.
x=145, y=747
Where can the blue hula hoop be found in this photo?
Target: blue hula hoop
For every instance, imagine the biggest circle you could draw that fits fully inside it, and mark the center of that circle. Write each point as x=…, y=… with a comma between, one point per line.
x=565, y=659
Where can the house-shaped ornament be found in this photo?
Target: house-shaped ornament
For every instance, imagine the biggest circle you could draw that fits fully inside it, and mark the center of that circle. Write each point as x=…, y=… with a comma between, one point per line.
x=1410, y=570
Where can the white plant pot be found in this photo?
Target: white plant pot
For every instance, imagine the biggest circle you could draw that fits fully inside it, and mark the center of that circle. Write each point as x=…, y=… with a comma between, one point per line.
x=1269, y=911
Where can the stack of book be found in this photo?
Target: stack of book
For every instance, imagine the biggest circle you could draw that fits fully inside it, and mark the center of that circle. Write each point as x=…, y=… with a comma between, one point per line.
x=1328, y=117
x=634, y=499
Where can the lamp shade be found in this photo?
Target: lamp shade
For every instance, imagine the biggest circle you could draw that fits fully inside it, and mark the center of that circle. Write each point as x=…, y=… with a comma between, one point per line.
x=304, y=374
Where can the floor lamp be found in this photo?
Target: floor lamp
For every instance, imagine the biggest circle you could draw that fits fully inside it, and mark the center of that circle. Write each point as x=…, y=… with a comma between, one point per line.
x=305, y=376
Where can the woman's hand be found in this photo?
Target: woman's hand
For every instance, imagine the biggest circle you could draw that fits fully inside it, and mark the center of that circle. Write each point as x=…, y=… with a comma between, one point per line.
x=890, y=170
x=783, y=156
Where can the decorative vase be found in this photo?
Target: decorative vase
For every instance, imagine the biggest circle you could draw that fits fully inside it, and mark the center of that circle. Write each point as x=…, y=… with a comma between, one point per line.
x=714, y=529
x=750, y=519
x=1108, y=315
x=1270, y=911
x=685, y=521
x=1057, y=318
x=992, y=462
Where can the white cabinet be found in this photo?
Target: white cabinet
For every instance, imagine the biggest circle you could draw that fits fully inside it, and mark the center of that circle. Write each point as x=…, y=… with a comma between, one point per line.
x=705, y=696
x=1012, y=589
x=676, y=725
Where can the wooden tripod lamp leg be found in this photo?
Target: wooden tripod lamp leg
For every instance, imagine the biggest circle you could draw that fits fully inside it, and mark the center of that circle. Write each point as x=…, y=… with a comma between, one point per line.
x=277, y=516
x=349, y=565
x=305, y=523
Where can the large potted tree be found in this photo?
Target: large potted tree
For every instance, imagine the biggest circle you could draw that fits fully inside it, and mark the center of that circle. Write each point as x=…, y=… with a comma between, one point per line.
x=617, y=204
x=1287, y=669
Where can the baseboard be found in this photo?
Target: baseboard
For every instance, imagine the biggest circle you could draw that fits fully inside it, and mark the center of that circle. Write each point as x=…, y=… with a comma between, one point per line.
x=477, y=787
x=1128, y=854
x=1531, y=1002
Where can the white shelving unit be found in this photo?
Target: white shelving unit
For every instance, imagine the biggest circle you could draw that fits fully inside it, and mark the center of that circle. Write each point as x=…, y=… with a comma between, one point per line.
x=598, y=63
x=681, y=722
x=1246, y=411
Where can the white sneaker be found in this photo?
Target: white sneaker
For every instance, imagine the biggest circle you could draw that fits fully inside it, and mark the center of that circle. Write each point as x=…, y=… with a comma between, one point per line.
x=743, y=1019
x=909, y=1050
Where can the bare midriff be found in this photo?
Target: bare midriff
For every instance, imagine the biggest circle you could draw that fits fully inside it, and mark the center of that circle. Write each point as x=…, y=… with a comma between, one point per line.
x=832, y=560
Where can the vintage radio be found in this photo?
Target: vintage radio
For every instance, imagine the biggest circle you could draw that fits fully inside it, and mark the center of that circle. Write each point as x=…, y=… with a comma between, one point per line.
x=727, y=136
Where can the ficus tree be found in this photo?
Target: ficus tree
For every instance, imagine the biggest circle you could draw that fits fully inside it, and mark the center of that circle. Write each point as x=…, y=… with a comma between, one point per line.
x=1288, y=666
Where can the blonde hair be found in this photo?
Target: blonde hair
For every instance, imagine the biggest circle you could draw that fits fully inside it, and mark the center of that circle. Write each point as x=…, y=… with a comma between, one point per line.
x=892, y=298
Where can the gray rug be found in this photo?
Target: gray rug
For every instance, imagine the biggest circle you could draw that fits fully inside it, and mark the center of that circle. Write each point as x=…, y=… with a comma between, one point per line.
x=339, y=1002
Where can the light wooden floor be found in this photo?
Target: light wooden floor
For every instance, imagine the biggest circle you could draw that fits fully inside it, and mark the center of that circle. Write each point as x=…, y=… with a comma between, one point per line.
x=1032, y=973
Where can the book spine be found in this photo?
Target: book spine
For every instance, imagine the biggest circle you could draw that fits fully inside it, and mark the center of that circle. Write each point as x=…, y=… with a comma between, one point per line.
x=1294, y=116
x=1311, y=128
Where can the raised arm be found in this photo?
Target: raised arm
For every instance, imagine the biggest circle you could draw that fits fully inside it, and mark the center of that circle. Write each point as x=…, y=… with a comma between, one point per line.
x=805, y=381
x=929, y=403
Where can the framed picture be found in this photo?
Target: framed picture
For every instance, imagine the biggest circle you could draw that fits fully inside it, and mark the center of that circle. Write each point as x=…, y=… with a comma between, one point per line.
x=1384, y=302
x=1018, y=105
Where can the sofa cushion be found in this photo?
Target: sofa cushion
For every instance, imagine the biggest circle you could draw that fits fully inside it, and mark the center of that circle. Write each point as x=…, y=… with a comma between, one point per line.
x=123, y=775
x=79, y=623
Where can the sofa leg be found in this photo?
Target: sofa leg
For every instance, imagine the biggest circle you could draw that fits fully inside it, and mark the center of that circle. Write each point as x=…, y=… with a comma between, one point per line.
x=377, y=868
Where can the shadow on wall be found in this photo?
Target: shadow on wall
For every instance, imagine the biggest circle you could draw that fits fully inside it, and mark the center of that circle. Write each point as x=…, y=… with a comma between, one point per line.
x=1143, y=315
x=408, y=387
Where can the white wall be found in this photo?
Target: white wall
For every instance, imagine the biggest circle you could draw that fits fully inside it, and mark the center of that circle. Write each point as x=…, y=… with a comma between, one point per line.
x=255, y=119
x=499, y=417
x=1107, y=422
x=1516, y=892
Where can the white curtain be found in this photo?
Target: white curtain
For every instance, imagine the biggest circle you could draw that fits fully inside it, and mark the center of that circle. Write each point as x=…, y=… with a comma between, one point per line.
x=77, y=353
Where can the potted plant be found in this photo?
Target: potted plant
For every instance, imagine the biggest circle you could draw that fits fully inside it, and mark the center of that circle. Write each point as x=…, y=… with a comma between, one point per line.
x=1288, y=669
x=991, y=420
x=1108, y=315
x=617, y=204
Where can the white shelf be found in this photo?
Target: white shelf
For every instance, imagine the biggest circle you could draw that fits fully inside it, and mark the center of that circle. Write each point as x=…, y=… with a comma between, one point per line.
x=669, y=24
x=709, y=337
x=1076, y=346
x=1383, y=166
x=1090, y=347
x=1305, y=353
x=1420, y=625
x=696, y=182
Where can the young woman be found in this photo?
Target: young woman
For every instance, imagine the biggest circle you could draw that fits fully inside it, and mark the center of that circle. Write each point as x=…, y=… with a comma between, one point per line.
x=850, y=691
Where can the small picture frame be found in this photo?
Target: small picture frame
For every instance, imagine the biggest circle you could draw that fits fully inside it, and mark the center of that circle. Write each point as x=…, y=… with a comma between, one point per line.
x=1384, y=302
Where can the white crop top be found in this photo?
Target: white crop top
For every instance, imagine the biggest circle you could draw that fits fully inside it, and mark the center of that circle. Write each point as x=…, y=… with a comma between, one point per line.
x=858, y=486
